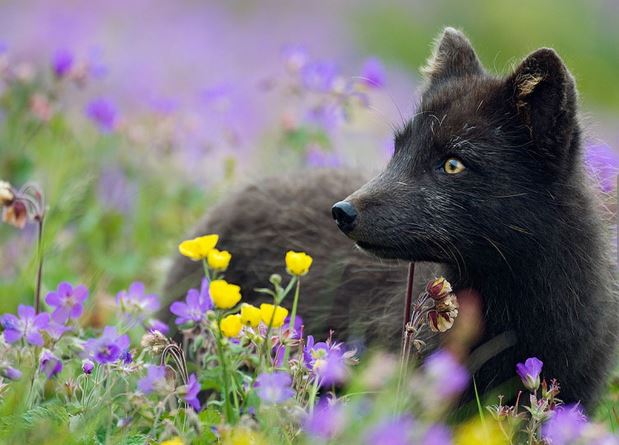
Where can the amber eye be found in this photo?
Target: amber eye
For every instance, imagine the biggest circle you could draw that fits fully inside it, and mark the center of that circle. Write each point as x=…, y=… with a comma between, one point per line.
x=453, y=166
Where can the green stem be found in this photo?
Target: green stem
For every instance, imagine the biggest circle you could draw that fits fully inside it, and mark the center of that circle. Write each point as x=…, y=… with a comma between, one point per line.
x=291, y=324
x=224, y=377
x=206, y=270
x=37, y=291
x=266, y=348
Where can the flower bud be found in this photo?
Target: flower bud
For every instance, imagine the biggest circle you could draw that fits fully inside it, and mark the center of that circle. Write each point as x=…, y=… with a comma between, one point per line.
x=15, y=214
x=439, y=288
x=6, y=194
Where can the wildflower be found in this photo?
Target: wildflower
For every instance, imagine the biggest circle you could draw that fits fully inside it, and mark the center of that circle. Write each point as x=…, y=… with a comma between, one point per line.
x=327, y=421
x=56, y=330
x=437, y=435
x=231, y=325
x=154, y=325
x=67, y=301
x=154, y=341
x=198, y=248
x=103, y=113
x=272, y=315
x=156, y=380
x=107, y=348
x=274, y=387
x=298, y=263
x=10, y=373
x=392, y=431
x=566, y=425
x=241, y=435
x=446, y=376
x=224, y=294
x=135, y=303
x=174, y=441
x=529, y=372
x=218, y=259
x=439, y=288
x=319, y=76
x=88, y=366
x=49, y=364
x=325, y=360
x=6, y=193
x=250, y=315
x=373, y=73
x=191, y=391
x=62, y=62
x=476, y=432
x=297, y=329
x=27, y=326
x=15, y=214
x=195, y=306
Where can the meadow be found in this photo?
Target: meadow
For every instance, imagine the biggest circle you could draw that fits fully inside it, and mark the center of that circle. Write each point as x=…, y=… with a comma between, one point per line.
x=121, y=123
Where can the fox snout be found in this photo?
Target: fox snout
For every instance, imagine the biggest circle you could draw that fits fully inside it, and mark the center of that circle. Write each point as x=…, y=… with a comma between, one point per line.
x=345, y=216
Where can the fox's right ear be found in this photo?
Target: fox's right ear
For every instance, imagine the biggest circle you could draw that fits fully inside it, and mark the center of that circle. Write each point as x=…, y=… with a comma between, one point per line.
x=453, y=56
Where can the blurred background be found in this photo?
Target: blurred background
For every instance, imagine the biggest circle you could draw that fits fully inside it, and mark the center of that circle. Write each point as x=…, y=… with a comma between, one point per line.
x=134, y=115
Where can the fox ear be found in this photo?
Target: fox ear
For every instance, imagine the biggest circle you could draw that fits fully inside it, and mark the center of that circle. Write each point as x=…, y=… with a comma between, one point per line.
x=543, y=94
x=453, y=56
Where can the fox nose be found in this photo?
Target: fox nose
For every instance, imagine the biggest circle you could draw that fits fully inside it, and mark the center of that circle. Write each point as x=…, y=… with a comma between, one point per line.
x=345, y=215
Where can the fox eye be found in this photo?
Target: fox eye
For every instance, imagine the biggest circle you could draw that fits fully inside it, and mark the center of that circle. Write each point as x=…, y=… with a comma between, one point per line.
x=453, y=166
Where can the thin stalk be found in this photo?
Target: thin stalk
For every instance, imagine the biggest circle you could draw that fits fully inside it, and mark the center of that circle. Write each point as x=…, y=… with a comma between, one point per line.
x=37, y=290
x=224, y=371
x=291, y=324
x=266, y=348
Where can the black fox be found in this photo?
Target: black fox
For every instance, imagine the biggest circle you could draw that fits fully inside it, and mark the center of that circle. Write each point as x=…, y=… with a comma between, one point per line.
x=487, y=181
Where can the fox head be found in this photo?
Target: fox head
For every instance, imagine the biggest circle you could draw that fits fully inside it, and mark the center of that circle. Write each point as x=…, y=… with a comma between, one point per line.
x=480, y=172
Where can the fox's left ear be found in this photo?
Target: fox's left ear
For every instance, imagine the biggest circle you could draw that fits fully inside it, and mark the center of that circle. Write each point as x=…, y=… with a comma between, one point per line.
x=543, y=94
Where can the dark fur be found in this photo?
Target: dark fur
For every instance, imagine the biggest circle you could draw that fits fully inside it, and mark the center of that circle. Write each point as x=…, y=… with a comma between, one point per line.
x=519, y=225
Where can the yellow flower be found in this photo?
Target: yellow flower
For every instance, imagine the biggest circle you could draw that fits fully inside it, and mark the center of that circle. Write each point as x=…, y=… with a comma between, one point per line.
x=298, y=263
x=231, y=325
x=224, y=294
x=475, y=432
x=218, y=259
x=266, y=313
x=250, y=315
x=174, y=441
x=241, y=435
x=198, y=248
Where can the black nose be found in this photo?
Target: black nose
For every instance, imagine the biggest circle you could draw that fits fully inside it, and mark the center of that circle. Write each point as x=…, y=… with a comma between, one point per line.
x=345, y=215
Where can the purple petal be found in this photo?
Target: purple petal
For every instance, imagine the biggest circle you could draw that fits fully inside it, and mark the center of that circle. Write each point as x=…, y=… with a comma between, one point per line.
x=41, y=320
x=11, y=336
x=136, y=288
x=80, y=293
x=35, y=338
x=25, y=312
x=53, y=299
x=179, y=308
x=65, y=289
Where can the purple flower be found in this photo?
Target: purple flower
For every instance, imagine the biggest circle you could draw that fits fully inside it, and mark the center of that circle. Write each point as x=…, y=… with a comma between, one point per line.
x=157, y=325
x=529, y=372
x=88, y=366
x=392, y=431
x=196, y=305
x=107, y=348
x=10, y=373
x=437, y=435
x=56, y=330
x=62, y=62
x=191, y=394
x=49, y=364
x=274, y=387
x=327, y=421
x=103, y=113
x=319, y=76
x=155, y=381
x=27, y=326
x=603, y=163
x=67, y=301
x=448, y=376
x=373, y=73
x=135, y=303
x=318, y=158
x=565, y=426
x=295, y=57
x=326, y=361
x=297, y=330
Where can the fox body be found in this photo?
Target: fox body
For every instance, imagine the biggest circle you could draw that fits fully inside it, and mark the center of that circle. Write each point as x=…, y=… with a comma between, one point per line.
x=488, y=184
